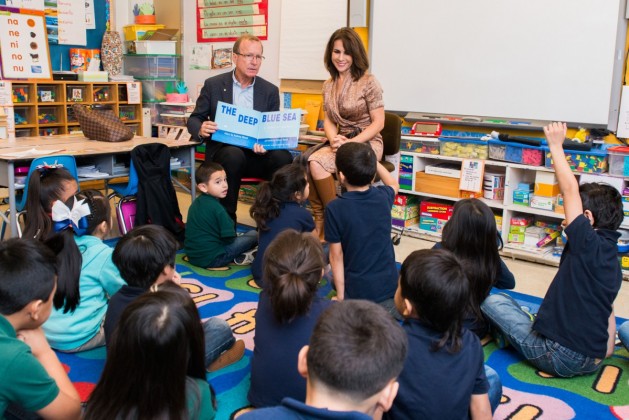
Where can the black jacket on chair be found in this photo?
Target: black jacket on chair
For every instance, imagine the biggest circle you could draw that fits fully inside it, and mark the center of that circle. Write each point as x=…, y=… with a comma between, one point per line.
x=156, y=200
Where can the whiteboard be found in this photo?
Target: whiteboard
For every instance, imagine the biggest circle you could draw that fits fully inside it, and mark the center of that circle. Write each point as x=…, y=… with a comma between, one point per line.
x=535, y=60
x=306, y=26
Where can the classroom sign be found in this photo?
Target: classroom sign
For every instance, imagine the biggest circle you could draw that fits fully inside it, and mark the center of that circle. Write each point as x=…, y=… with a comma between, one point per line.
x=245, y=127
x=24, y=45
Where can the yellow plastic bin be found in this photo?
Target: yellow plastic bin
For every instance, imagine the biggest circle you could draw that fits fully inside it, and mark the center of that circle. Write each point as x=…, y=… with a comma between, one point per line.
x=134, y=32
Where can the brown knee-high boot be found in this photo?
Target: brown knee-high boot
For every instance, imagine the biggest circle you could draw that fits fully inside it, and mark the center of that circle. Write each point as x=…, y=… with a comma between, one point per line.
x=325, y=192
x=316, y=205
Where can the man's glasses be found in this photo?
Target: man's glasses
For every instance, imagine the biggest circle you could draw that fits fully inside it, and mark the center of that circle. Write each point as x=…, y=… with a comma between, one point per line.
x=250, y=57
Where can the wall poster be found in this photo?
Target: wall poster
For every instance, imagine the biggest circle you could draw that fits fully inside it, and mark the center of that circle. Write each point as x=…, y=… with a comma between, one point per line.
x=24, y=44
x=226, y=20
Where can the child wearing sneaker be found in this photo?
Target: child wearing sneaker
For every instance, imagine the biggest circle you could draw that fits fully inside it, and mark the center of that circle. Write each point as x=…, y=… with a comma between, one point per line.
x=145, y=258
x=575, y=326
x=211, y=239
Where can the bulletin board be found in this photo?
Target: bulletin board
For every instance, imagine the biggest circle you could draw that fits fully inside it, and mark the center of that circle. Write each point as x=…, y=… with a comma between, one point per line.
x=24, y=44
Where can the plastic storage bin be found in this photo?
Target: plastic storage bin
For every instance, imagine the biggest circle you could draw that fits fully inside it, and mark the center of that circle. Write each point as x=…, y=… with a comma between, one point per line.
x=23, y=115
x=420, y=145
x=150, y=66
x=590, y=161
x=76, y=93
x=516, y=152
x=618, y=160
x=48, y=115
x=127, y=112
x=102, y=93
x=155, y=90
x=463, y=148
x=156, y=47
x=134, y=32
x=48, y=93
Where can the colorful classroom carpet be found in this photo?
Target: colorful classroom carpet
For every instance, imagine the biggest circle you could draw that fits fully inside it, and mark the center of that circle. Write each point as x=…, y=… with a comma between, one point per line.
x=232, y=295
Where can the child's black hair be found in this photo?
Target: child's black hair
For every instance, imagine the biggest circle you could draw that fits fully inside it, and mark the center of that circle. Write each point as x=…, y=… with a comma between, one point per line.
x=45, y=186
x=358, y=163
x=143, y=253
x=70, y=258
x=293, y=266
x=27, y=272
x=356, y=348
x=434, y=281
x=286, y=181
x=605, y=203
x=472, y=236
x=205, y=172
x=155, y=350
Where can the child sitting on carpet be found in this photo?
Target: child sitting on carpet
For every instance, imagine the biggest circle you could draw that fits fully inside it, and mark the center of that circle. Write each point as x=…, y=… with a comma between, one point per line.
x=575, y=326
x=278, y=206
x=358, y=229
x=46, y=185
x=146, y=258
x=211, y=240
x=355, y=354
x=33, y=379
x=472, y=236
x=77, y=319
x=286, y=315
x=444, y=375
x=155, y=367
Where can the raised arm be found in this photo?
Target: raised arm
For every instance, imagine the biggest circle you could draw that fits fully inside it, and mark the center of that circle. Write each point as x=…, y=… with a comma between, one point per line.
x=555, y=135
x=387, y=178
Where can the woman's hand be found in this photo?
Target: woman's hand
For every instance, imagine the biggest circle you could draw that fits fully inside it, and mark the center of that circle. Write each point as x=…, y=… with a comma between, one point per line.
x=337, y=141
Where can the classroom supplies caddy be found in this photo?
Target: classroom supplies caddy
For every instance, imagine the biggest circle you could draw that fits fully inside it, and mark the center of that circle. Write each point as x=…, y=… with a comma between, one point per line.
x=45, y=108
x=517, y=160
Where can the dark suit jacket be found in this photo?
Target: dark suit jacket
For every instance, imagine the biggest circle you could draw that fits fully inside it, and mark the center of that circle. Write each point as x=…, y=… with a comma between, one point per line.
x=266, y=97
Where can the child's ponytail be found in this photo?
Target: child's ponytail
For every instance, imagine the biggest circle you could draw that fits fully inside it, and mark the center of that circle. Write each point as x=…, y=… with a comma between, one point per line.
x=293, y=265
x=286, y=182
x=79, y=215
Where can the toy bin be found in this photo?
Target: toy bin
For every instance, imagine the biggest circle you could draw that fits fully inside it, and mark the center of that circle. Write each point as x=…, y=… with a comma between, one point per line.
x=48, y=115
x=173, y=119
x=23, y=132
x=134, y=128
x=463, y=148
x=420, y=145
x=155, y=90
x=102, y=93
x=618, y=161
x=135, y=32
x=516, y=152
x=148, y=66
x=76, y=93
x=156, y=47
x=48, y=93
x=127, y=112
x=586, y=161
x=23, y=115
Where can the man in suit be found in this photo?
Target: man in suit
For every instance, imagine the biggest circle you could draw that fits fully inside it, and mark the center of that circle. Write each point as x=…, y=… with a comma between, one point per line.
x=241, y=87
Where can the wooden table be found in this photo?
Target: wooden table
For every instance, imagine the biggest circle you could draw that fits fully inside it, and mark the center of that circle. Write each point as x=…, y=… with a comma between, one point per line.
x=103, y=153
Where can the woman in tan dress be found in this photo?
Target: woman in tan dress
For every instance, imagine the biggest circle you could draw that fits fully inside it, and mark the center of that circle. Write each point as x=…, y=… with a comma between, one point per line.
x=354, y=111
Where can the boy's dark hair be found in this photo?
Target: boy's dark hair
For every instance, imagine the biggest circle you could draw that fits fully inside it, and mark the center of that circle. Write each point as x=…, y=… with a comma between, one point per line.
x=205, y=172
x=356, y=348
x=27, y=272
x=286, y=181
x=142, y=254
x=605, y=203
x=434, y=281
x=293, y=265
x=358, y=163
x=353, y=47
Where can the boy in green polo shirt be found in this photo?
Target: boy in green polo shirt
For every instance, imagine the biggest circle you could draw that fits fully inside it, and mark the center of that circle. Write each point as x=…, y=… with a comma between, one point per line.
x=33, y=379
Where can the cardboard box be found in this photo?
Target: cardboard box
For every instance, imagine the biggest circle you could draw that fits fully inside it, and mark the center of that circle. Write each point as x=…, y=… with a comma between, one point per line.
x=405, y=223
x=543, y=202
x=449, y=169
x=441, y=211
x=406, y=200
x=431, y=224
x=546, y=184
x=522, y=197
x=517, y=238
x=438, y=185
x=405, y=212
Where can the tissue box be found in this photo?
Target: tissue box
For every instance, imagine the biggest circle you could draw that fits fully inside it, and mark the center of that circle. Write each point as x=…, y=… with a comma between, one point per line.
x=93, y=76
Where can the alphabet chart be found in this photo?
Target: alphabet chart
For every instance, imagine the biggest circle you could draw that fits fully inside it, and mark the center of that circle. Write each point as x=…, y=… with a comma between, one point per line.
x=24, y=44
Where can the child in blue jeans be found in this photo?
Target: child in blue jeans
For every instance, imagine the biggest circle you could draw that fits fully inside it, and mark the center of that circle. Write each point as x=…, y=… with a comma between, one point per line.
x=575, y=326
x=211, y=240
